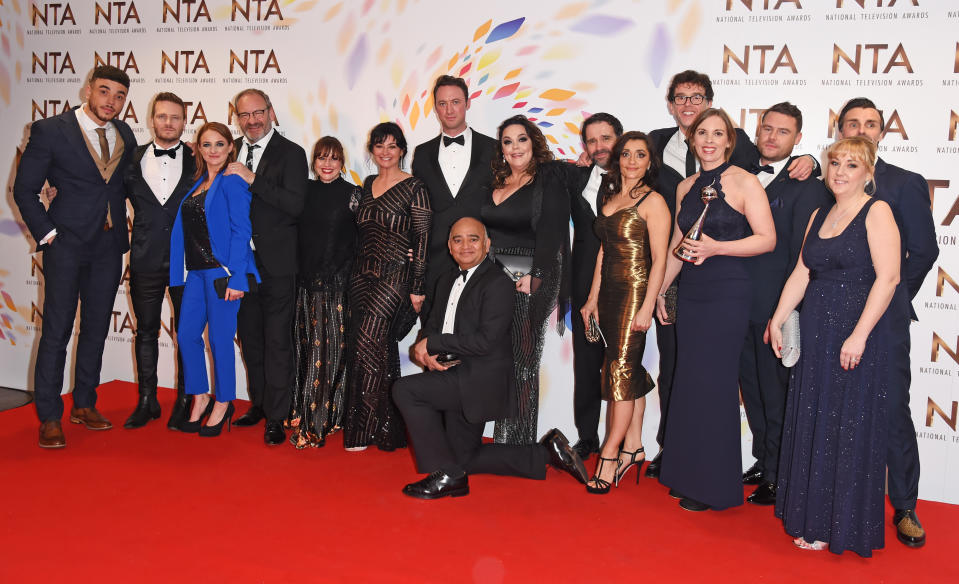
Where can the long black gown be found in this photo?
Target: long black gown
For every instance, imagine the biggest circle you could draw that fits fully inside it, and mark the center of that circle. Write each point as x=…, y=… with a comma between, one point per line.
x=327, y=240
x=533, y=221
x=703, y=459
x=383, y=279
x=833, y=460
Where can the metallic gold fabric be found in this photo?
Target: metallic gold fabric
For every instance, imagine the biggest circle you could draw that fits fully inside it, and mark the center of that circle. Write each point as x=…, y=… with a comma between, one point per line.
x=625, y=272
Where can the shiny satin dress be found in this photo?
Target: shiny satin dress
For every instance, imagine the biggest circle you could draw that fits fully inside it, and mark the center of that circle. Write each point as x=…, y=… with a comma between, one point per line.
x=624, y=277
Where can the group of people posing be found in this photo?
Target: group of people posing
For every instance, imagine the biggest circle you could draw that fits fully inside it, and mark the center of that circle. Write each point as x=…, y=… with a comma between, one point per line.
x=713, y=239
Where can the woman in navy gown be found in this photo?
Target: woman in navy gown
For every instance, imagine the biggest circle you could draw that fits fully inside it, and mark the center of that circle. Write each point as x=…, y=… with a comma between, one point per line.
x=703, y=464
x=833, y=459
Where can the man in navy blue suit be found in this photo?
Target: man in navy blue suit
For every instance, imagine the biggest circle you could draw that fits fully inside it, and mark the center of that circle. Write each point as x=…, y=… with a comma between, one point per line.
x=83, y=236
x=908, y=195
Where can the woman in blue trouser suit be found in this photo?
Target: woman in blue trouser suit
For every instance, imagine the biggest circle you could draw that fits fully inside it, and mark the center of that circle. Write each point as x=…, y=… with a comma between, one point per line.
x=211, y=241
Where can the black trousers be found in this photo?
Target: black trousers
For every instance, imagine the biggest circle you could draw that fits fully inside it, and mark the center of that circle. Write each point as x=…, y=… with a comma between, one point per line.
x=88, y=272
x=666, y=343
x=763, y=382
x=443, y=439
x=903, y=448
x=587, y=381
x=147, y=292
x=265, y=328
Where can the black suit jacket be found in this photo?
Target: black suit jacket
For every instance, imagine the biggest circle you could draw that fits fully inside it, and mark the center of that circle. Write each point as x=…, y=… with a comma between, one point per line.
x=792, y=202
x=58, y=154
x=908, y=195
x=150, y=239
x=585, y=242
x=447, y=209
x=279, y=192
x=481, y=339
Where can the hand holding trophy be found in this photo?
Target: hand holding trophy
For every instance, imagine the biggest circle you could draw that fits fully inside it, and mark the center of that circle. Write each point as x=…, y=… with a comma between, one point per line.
x=708, y=194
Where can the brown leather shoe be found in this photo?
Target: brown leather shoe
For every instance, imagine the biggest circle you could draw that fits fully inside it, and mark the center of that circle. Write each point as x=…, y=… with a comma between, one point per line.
x=90, y=418
x=51, y=435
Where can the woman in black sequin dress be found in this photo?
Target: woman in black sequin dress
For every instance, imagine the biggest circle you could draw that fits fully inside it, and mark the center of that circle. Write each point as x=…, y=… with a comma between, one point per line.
x=703, y=462
x=831, y=489
x=394, y=216
x=527, y=215
x=327, y=239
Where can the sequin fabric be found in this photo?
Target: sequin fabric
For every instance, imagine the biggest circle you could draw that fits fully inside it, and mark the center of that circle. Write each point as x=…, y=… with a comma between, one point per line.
x=198, y=253
x=832, y=464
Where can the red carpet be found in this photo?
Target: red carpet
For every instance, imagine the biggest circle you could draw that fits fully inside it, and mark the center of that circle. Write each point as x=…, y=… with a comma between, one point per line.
x=152, y=505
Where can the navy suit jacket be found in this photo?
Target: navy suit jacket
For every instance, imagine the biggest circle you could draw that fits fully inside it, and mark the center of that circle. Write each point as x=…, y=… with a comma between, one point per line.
x=480, y=337
x=791, y=202
x=58, y=154
x=908, y=195
x=227, y=207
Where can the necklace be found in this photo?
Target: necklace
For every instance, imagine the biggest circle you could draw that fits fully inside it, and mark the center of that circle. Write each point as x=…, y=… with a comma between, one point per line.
x=842, y=213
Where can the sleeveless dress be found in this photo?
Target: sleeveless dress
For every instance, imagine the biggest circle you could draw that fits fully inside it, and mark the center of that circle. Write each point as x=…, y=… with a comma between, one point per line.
x=833, y=459
x=624, y=276
x=702, y=457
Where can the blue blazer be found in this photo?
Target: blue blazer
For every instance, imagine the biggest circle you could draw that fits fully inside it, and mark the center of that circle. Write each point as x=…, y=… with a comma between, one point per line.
x=227, y=208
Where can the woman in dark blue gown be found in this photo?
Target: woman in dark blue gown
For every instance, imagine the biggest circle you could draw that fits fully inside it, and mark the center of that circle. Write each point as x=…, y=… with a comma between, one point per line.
x=833, y=458
x=703, y=464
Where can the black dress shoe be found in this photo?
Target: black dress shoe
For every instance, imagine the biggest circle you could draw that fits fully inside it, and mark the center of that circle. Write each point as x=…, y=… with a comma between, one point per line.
x=753, y=476
x=252, y=417
x=148, y=408
x=693, y=505
x=652, y=469
x=586, y=447
x=908, y=529
x=765, y=494
x=438, y=484
x=562, y=456
x=676, y=494
x=180, y=413
x=274, y=434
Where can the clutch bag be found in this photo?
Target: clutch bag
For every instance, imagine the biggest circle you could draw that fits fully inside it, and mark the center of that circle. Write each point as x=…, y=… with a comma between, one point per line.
x=593, y=333
x=220, y=285
x=515, y=266
x=790, y=350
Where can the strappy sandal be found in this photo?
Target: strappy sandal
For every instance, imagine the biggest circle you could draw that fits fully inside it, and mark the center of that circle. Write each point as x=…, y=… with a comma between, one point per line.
x=816, y=546
x=621, y=472
x=602, y=487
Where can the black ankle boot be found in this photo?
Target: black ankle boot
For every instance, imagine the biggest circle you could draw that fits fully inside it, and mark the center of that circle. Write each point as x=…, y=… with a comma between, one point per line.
x=181, y=411
x=148, y=408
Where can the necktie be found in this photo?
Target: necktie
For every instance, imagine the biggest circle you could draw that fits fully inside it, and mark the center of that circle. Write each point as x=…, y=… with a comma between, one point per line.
x=457, y=140
x=249, y=154
x=464, y=273
x=171, y=152
x=104, y=146
x=690, y=160
x=756, y=169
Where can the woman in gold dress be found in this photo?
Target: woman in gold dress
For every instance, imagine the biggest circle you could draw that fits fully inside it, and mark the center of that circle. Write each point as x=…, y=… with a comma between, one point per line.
x=633, y=226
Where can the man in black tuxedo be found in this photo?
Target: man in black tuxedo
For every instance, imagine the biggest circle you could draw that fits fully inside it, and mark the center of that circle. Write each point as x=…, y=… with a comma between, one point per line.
x=689, y=93
x=908, y=195
x=763, y=380
x=83, y=236
x=466, y=346
x=276, y=170
x=456, y=169
x=599, y=133
x=156, y=181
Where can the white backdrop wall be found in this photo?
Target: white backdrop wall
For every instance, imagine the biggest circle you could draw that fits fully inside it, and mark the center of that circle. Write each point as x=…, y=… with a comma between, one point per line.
x=340, y=67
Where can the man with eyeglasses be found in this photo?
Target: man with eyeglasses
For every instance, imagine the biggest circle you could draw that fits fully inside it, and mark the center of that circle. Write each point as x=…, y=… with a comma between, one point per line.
x=690, y=93
x=276, y=170
x=456, y=169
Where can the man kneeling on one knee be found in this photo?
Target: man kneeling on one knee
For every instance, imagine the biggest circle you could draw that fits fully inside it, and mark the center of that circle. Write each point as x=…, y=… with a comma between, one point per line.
x=466, y=348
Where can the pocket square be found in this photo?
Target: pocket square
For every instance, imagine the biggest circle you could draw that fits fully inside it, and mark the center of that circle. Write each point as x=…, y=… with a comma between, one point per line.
x=776, y=203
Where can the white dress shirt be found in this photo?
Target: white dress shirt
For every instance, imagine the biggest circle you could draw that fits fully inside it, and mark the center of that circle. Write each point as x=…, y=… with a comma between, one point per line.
x=162, y=174
x=257, y=152
x=674, y=155
x=458, y=285
x=455, y=160
x=592, y=187
x=766, y=178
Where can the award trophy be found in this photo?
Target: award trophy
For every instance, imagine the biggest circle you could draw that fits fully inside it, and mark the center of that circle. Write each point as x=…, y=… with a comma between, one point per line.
x=708, y=195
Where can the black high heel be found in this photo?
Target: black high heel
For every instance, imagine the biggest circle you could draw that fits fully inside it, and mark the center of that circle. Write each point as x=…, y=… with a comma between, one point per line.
x=621, y=472
x=210, y=431
x=602, y=487
x=193, y=427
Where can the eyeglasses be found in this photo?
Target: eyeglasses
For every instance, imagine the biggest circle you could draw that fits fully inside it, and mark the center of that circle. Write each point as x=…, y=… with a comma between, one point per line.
x=255, y=113
x=684, y=99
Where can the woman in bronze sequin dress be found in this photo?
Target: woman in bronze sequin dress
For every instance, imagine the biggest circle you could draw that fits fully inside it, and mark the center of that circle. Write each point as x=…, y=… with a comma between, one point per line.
x=633, y=226
x=327, y=240
x=394, y=216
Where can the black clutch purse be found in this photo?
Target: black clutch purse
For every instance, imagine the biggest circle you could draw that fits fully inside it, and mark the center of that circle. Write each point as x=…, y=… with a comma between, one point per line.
x=220, y=285
x=448, y=359
x=515, y=266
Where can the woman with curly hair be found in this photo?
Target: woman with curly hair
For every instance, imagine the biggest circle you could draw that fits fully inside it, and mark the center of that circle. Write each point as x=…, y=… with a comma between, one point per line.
x=527, y=215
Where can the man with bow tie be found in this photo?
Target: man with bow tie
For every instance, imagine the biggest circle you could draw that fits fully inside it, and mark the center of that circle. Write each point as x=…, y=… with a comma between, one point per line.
x=160, y=175
x=763, y=379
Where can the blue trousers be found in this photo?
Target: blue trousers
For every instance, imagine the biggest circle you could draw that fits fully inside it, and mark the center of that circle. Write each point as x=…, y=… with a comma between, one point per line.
x=201, y=306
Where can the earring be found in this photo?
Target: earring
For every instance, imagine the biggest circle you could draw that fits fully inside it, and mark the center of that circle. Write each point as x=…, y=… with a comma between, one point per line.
x=870, y=187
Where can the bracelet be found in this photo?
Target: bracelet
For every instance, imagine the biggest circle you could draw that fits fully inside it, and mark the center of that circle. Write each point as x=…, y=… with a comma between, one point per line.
x=663, y=295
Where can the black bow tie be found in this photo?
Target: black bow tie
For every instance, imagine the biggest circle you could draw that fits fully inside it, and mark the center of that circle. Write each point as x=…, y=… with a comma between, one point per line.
x=171, y=152
x=464, y=273
x=756, y=169
x=457, y=140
